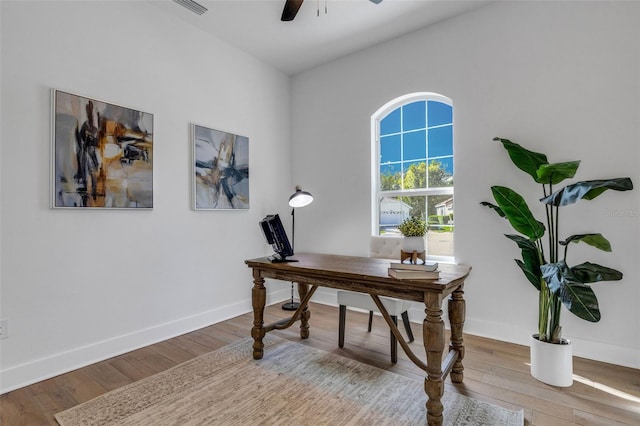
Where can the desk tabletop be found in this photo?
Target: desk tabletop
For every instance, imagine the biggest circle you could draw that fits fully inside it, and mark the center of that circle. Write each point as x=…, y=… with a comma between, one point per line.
x=360, y=268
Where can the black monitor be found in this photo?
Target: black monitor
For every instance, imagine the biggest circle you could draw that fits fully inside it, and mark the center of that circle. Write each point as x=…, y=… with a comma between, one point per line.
x=275, y=235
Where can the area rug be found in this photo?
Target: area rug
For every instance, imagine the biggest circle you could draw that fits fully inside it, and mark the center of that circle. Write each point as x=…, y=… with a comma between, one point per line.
x=292, y=385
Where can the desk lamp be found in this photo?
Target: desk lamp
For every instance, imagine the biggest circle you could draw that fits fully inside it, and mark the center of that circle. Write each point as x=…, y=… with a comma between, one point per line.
x=299, y=198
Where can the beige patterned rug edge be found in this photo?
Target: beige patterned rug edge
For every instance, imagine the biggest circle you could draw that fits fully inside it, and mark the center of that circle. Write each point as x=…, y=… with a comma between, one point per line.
x=292, y=384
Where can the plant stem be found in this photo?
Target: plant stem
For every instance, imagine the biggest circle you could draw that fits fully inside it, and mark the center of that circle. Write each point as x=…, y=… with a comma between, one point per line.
x=547, y=321
x=550, y=227
x=556, y=232
x=543, y=302
x=554, y=324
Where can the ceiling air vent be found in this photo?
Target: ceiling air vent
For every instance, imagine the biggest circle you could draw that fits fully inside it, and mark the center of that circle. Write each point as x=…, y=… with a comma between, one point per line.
x=192, y=6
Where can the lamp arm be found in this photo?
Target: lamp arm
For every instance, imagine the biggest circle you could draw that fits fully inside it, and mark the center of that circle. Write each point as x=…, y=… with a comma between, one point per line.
x=293, y=230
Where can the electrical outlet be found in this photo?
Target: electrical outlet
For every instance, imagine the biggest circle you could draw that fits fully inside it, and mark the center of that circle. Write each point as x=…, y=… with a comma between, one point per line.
x=4, y=329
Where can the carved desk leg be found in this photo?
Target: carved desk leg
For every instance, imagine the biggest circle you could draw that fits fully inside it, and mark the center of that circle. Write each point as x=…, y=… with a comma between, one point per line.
x=456, y=318
x=258, y=299
x=303, y=289
x=433, y=333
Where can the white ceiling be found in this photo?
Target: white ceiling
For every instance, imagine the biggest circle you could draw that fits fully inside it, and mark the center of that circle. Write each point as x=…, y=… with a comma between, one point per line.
x=254, y=26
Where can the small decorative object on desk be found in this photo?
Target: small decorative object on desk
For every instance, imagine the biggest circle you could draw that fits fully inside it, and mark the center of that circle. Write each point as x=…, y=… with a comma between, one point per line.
x=431, y=266
x=409, y=274
x=414, y=229
x=412, y=257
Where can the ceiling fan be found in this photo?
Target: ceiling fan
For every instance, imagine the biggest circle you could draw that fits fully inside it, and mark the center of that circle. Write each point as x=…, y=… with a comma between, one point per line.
x=291, y=8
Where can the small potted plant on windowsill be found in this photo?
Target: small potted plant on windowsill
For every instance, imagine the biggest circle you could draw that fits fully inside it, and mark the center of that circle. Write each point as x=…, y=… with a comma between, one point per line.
x=544, y=263
x=414, y=229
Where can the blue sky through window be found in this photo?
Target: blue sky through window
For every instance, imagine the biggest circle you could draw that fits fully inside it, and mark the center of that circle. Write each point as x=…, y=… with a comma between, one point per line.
x=414, y=116
x=413, y=146
x=440, y=141
x=390, y=169
x=405, y=137
x=439, y=113
x=391, y=123
x=390, y=149
x=446, y=162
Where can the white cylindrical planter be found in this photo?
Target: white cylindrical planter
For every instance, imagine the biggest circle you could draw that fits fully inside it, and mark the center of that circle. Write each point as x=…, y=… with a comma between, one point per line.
x=552, y=363
x=411, y=244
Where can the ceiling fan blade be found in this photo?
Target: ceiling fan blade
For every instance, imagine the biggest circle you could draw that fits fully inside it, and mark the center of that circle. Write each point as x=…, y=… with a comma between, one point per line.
x=290, y=10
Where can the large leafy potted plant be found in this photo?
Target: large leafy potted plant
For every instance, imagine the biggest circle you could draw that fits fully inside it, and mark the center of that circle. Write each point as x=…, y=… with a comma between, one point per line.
x=544, y=252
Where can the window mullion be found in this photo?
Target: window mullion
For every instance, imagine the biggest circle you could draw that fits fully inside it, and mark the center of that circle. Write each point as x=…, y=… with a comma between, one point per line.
x=415, y=192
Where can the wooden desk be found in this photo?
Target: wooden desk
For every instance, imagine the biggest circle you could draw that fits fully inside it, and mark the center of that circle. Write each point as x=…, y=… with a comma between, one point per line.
x=369, y=275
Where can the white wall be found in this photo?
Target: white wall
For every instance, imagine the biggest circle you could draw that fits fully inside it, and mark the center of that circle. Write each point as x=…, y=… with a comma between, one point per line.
x=561, y=78
x=79, y=286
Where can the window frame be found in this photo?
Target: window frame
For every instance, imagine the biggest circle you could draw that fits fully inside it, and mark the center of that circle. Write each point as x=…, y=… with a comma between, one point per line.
x=376, y=193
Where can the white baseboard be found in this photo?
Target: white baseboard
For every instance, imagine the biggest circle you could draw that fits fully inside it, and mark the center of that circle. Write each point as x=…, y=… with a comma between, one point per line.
x=35, y=371
x=597, y=351
x=32, y=372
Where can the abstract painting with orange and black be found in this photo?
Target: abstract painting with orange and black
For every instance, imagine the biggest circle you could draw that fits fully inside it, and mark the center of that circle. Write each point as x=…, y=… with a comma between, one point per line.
x=102, y=154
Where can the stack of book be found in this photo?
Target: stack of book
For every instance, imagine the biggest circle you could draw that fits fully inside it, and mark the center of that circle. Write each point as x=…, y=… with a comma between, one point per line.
x=412, y=271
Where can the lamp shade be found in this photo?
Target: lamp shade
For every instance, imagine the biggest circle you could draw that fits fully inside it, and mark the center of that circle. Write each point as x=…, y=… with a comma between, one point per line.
x=300, y=198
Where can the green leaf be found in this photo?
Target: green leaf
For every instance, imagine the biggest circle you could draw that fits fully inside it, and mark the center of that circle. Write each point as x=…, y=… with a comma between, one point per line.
x=494, y=207
x=530, y=263
x=595, y=240
x=577, y=297
x=557, y=172
x=517, y=212
x=527, y=161
x=413, y=227
x=530, y=274
x=588, y=190
x=588, y=272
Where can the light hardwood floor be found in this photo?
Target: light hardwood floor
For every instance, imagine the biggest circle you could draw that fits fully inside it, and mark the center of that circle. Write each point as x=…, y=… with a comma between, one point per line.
x=497, y=372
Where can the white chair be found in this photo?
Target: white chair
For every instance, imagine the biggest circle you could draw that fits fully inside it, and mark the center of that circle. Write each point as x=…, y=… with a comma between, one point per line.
x=385, y=248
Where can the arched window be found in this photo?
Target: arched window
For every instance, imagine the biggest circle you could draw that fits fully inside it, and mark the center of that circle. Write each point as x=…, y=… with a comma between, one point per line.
x=412, y=168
